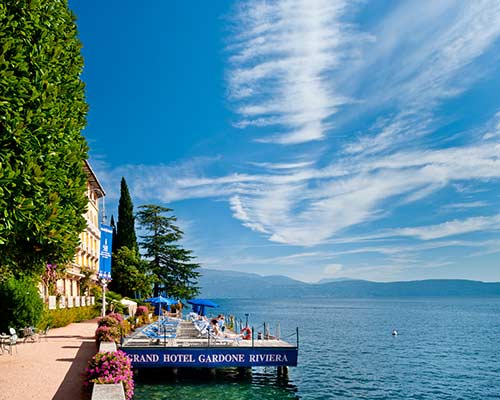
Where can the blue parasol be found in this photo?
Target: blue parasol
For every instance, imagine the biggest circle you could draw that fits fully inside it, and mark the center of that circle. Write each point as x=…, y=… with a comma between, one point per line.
x=200, y=304
x=161, y=300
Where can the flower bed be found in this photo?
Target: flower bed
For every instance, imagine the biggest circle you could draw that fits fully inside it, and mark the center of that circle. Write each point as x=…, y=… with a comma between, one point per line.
x=111, y=367
x=111, y=328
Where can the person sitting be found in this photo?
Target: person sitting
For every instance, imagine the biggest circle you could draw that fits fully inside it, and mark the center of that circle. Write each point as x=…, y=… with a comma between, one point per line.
x=214, y=325
x=221, y=322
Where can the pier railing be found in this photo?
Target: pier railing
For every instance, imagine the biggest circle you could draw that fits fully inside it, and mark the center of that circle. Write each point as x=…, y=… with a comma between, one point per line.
x=261, y=332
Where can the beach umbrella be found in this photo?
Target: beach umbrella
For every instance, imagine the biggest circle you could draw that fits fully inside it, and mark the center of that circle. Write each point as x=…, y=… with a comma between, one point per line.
x=131, y=305
x=200, y=304
x=158, y=301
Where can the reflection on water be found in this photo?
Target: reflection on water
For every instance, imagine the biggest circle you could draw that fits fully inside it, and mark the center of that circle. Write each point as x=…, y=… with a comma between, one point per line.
x=228, y=384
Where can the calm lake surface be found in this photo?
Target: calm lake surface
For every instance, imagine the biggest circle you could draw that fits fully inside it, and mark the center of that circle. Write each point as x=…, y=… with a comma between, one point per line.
x=446, y=349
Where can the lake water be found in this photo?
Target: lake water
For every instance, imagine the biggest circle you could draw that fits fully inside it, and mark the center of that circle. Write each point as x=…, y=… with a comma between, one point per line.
x=445, y=349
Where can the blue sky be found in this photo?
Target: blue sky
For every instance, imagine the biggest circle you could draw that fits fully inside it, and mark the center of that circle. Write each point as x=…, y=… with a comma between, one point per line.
x=309, y=138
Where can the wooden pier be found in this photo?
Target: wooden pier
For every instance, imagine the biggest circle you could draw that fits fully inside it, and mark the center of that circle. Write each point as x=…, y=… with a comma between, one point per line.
x=185, y=348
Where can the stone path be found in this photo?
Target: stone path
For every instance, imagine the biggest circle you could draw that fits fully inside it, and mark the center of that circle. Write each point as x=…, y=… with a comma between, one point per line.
x=49, y=369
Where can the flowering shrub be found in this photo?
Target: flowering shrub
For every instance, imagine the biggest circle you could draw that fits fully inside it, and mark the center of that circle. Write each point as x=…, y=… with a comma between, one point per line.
x=142, y=316
x=108, y=320
x=141, y=310
x=126, y=327
x=107, y=334
x=115, y=316
x=111, y=328
x=111, y=367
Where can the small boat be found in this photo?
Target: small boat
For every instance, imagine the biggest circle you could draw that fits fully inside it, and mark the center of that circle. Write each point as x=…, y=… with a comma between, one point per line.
x=394, y=332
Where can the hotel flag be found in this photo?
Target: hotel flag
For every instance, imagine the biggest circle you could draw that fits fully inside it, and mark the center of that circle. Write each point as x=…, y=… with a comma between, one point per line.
x=105, y=252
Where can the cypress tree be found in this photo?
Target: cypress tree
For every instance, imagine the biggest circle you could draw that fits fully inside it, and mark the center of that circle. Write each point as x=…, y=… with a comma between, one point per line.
x=113, y=227
x=42, y=113
x=125, y=229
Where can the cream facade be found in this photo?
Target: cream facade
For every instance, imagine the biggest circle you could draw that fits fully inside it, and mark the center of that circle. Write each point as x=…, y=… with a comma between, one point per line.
x=87, y=253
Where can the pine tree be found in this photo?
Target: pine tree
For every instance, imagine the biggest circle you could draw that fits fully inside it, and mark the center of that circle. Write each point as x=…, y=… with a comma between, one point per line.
x=125, y=229
x=42, y=150
x=169, y=263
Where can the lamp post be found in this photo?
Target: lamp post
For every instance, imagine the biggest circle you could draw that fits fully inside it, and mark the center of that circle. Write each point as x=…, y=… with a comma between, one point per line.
x=104, y=282
x=104, y=285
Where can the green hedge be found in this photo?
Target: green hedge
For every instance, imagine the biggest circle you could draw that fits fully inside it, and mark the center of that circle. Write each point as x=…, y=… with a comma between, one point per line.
x=20, y=304
x=65, y=316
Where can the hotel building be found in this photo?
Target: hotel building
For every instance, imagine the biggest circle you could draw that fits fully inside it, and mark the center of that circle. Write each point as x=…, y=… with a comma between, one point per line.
x=87, y=253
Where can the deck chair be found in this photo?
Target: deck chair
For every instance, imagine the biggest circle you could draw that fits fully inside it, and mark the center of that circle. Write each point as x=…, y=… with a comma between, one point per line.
x=158, y=337
x=202, y=327
x=12, y=341
x=43, y=333
x=223, y=340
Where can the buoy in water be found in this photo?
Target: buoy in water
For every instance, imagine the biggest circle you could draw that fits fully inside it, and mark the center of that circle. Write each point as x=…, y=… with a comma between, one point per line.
x=394, y=332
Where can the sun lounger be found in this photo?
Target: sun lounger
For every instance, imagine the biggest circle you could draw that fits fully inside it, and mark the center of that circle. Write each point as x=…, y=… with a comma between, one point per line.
x=202, y=327
x=224, y=340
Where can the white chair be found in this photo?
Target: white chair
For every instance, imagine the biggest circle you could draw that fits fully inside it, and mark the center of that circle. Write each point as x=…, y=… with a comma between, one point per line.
x=43, y=333
x=12, y=341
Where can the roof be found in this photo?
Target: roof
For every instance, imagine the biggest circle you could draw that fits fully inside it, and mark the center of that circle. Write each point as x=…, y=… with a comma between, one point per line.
x=93, y=181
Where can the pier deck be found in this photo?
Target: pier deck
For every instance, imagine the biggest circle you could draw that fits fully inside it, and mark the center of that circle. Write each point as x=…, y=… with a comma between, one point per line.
x=188, y=349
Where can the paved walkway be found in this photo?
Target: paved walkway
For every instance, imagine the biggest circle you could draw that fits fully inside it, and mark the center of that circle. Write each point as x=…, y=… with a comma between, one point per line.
x=50, y=369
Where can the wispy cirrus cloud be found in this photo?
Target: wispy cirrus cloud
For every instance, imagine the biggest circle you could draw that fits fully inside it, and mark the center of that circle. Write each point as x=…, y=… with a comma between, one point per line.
x=281, y=57
x=451, y=228
x=301, y=71
x=421, y=48
x=309, y=206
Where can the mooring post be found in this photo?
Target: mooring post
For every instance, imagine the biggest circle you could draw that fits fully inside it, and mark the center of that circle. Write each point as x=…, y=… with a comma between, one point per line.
x=244, y=371
x=282, y=372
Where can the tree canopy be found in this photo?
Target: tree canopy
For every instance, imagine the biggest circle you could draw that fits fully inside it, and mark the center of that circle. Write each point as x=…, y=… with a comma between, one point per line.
x=130, y=277
x=42, y=114
x=171, y=265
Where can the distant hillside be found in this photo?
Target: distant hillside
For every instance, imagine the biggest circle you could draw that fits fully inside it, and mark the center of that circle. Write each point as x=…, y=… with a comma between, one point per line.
x=328, y=280
x=232, y=284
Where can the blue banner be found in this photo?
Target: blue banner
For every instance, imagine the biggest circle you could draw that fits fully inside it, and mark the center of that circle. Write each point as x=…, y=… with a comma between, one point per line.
x=211, y=357
x=105, y=252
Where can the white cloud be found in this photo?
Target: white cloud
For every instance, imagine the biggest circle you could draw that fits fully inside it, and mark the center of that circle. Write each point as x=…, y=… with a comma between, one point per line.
x=430, y=43
x=451, y=228
x=333, y=269
x=281, y=58
x=283, y=62
x=308, y=206
x=466, y=205
x=282, y=166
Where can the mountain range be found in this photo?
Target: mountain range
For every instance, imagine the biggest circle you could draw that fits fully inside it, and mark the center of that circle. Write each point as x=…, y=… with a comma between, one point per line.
x=233, y=284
